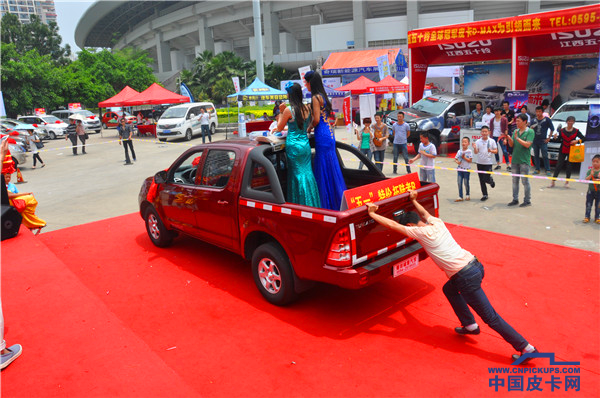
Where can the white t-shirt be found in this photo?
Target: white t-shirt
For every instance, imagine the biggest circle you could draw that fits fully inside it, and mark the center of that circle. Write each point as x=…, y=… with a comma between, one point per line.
x=441, y=246
x=462, y=155
x=497, y=128
x=486, y=119
x=484, y=156
x=427, y=161
x=204, y=118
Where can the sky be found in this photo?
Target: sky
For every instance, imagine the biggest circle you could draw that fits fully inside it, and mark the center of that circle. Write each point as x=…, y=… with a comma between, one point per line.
x=69, y=12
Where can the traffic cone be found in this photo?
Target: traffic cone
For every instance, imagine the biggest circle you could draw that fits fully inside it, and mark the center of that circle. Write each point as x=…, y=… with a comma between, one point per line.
x=20, y=178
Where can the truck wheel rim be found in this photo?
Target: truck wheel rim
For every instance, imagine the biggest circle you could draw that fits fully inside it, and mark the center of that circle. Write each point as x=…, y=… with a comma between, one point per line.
x=269, y=275
x=153, y=226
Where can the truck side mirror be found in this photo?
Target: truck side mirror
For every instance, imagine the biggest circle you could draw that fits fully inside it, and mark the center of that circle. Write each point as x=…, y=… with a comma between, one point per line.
x=160, y=177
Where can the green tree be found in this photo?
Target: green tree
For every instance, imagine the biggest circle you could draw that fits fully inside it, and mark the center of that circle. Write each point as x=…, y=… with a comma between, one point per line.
x=30, y=80
x=34, y=35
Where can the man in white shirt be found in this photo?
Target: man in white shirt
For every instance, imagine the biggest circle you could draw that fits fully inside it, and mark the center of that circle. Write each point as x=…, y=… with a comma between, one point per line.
x=427, y=154
x=485, y=148
x=464, y=271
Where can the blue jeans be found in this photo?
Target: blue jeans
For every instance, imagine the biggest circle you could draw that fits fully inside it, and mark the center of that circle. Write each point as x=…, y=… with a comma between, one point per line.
x=205, y=132
x=397, y=149
x=523, y=169
x=543, y=147
x=464, y=290
x=504, y=148
x=463, y=176
x=589, y=202
x=379, y=156
x=427, y=174
x=367, y=153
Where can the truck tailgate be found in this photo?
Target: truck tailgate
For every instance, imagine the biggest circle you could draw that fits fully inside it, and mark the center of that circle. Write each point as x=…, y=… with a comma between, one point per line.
x=369, y=239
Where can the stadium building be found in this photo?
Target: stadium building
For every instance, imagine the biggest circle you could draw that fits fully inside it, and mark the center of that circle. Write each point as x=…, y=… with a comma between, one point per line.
x=295, y=33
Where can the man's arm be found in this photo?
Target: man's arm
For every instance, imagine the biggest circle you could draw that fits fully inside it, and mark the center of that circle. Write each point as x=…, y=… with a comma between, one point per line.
x=386, y=222
x=424, y=214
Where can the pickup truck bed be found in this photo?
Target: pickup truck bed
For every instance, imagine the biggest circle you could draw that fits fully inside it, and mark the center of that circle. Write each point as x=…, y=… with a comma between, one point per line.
x=290, y=246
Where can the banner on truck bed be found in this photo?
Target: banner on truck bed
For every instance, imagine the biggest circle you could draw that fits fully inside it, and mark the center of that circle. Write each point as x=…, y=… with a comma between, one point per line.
x=359, y=196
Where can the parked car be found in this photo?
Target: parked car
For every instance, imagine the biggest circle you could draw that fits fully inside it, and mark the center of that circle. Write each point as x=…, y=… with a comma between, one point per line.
x=11, y=124
x=17, y=147
x=182, y=121
x=53, y=126
x=91, y=121
x=492, y=95
x=430, y=114
x=109, y=119
x=580, y=109
x=233, y=194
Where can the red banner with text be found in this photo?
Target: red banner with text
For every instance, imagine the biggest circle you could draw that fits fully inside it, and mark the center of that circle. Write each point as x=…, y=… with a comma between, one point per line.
x=381, y=190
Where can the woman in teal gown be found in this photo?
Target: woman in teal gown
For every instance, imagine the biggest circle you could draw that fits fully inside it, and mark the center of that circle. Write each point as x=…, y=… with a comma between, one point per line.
x=327, y=167
x=302, y=186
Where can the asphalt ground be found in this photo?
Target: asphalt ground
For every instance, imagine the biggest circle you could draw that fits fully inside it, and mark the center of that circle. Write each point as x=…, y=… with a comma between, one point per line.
x=73, y=190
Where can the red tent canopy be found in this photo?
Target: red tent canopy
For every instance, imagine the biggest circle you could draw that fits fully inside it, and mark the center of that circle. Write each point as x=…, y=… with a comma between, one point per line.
x=388, y=85
x=359, y=86
x=155, y=95
x=118, y=99
x=571, y=31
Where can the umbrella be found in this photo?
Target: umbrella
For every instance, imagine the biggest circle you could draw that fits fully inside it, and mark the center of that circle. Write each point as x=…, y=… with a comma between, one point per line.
x=77, y=116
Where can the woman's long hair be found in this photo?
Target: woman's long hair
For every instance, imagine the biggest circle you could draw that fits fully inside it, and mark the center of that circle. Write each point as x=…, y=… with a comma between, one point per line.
x=316, y=87
x=295, y=96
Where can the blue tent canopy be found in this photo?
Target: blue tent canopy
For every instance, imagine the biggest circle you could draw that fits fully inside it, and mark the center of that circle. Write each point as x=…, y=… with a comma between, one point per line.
x=258, y=91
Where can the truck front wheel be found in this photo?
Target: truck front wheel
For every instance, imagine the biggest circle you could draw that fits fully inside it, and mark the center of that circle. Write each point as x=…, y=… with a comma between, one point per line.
x=273, y=274
x=157, y=232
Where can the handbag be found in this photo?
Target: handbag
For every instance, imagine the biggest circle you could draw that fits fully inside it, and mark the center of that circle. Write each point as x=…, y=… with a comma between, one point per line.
x=39, y=144
x=577, y=153
x=86, y=136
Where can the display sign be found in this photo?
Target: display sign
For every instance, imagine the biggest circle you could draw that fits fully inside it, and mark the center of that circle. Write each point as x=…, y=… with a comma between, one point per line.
x=302, y=71
x=236, y=84
x=516, y=99
x=347, y=111
x=383, y=66
x=380, y=190
x=74, y=106
x=40, y=111
x=566, y=20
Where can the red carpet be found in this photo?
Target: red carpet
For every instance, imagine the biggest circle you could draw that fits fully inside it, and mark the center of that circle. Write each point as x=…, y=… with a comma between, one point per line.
x=101, y=312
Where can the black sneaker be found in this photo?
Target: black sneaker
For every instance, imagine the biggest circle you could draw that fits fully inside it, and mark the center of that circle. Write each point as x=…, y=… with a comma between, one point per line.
x=513, y=203
x=463, y=330
x=515, y=357
x=492, y=183
x=525, y=204
x=497, y=167
x=484, y=198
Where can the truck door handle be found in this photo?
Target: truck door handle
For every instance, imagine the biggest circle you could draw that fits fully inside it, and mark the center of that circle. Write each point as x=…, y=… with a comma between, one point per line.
x=222, y=202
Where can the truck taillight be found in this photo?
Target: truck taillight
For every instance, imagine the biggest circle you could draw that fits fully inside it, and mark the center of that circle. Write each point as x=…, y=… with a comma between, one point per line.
x=340, y=252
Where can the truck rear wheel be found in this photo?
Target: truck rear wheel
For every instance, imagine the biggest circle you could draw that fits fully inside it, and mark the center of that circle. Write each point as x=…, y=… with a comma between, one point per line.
x=273, y=274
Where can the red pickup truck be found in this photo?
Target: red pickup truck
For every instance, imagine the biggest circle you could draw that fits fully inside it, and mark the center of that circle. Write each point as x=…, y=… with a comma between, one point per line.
x=233, y=194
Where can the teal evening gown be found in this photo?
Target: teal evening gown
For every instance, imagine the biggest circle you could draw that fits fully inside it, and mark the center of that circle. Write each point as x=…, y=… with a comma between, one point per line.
x=302, y=186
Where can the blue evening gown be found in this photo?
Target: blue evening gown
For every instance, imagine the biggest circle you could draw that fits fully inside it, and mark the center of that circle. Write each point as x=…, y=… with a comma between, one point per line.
x=327, y=168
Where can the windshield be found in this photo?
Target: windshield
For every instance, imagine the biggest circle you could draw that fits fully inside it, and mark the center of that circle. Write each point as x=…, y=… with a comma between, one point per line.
x=174, y=113
x=84, y=112
x=431, y=105
x=579, y=111
x=51, y=119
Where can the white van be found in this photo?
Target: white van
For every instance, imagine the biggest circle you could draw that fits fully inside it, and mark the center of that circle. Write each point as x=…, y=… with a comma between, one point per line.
x=182, y=121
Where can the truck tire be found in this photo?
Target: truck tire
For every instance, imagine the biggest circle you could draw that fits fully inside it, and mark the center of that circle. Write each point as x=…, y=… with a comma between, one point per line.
x=157, y=232
x=52, y=135
x=434, y=137
x=188, y=135
x=273, y=274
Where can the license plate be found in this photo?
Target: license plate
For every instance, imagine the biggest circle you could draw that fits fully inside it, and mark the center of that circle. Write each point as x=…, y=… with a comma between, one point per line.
x=166, y=132
x=405, y=265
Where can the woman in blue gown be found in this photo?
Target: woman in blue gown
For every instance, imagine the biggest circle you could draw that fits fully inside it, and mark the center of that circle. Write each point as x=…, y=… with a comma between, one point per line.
x=302, y=187
x=327, y=167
